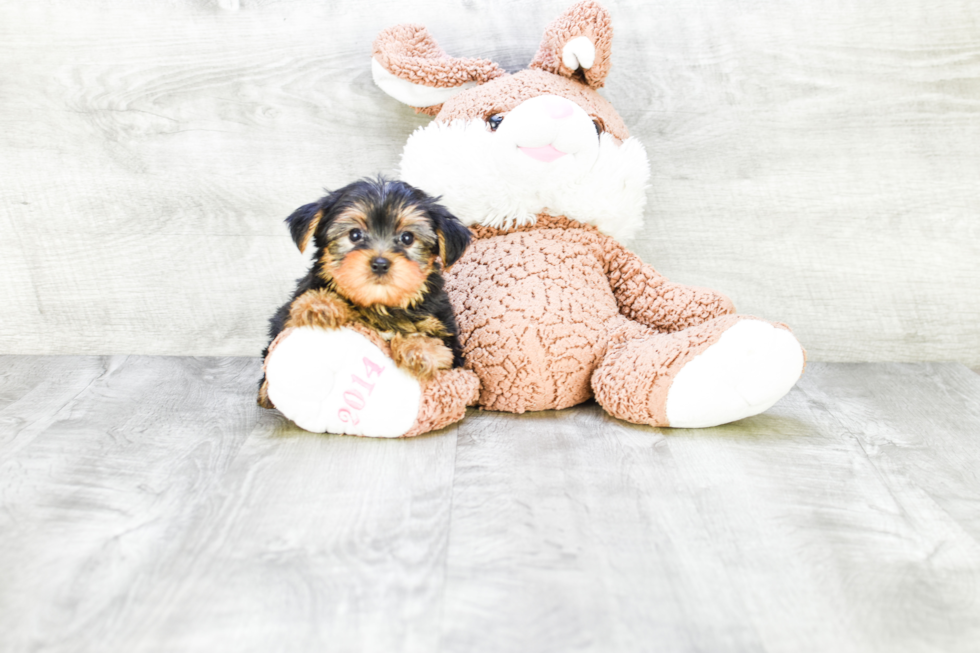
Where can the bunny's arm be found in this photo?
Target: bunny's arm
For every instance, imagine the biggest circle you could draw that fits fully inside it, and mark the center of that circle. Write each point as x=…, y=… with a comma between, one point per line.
x=646, y=296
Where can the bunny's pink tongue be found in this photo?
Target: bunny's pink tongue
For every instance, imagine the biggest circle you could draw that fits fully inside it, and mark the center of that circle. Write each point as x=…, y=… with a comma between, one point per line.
x=548, y=153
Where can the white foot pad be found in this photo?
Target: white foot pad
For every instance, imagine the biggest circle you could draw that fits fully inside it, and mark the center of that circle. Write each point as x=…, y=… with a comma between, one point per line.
x=748, y=370
x=339, y=382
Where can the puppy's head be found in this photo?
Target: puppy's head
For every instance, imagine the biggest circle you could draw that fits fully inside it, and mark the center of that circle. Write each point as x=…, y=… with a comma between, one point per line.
x=379, y=240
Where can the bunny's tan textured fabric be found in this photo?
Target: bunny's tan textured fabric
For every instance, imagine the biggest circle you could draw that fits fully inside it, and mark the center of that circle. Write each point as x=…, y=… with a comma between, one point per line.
x=552, y=308
x=555, y=313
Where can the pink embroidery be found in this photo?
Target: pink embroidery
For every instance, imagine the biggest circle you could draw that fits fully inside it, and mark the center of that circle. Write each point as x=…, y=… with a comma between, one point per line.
x=353, y=398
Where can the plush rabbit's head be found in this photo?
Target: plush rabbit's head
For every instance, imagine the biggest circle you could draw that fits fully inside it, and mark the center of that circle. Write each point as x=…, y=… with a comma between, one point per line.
x=504, y=148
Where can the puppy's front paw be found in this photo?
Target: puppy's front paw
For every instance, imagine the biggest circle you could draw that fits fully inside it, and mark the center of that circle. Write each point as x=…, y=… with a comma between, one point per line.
x=318, y=308
x=421, y=356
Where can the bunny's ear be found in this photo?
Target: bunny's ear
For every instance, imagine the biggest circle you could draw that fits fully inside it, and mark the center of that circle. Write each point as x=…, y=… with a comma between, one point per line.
x=578, y=44
x=410, y=66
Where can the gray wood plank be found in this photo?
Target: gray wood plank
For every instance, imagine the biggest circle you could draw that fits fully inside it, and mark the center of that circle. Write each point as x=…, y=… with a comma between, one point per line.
x=919, y=426
x=815, y=162
x=310, y=543
x=573, y=531
x=48, y=381
x=155, y=508
x=825, y=524
x=91, y=502
x=783, y=532
x=35, y=391
x=160, y=510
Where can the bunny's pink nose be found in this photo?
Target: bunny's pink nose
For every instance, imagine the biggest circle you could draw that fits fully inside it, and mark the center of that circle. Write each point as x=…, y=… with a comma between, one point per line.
x=558, y=108
x=548, y=153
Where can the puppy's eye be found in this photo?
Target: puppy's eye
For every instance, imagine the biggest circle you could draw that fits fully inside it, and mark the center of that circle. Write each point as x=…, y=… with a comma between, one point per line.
x=355, y=235
x=407, y=238
x=494, y=121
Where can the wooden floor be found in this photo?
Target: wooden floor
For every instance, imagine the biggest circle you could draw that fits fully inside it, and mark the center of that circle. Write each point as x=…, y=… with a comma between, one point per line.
x=146, y=504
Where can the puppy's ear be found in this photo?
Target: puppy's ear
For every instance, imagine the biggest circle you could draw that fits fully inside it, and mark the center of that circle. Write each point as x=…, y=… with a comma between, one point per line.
x=453, y=236
x=303, y=223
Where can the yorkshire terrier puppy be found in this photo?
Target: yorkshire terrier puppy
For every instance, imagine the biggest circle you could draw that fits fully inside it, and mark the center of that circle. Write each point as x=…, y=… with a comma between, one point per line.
x=380, y=250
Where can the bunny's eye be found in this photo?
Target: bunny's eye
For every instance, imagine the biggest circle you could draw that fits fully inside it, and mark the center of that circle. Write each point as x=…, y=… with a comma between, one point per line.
x=598, y=127
x=494, y=121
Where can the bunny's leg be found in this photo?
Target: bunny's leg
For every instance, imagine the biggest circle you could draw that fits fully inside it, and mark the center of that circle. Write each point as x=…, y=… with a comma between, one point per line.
x=720, y=371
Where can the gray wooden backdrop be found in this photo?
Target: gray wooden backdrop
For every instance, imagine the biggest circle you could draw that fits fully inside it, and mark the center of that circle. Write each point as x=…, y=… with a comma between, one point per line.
x=818, y=162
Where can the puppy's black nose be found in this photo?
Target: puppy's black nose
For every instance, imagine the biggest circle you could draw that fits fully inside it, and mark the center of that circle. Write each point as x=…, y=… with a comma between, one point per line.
x=380, y=265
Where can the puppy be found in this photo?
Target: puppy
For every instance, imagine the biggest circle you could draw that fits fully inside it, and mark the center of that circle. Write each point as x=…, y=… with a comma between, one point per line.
x=380, y=250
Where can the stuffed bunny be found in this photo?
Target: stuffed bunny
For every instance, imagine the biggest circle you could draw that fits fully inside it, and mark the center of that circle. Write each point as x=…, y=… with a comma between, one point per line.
x=552, y=308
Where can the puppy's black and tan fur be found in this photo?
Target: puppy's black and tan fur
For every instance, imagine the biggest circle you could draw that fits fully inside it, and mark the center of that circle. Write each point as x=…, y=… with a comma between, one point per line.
x=380, y=249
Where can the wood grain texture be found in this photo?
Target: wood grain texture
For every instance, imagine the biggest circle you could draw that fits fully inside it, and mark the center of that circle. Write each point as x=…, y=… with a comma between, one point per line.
x=825, y=514
x=146, y=504
x=816, y=162
x=310, y=543
x=843, y=519
x=574, y=532
x=34, y=393
x=158, y=509
x=90, y=503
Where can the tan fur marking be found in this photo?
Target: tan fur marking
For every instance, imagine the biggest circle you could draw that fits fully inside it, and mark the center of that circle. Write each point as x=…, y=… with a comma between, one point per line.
x=431, y=326
x=264, y=400
x=409, y=218
x=413, y=220
x=402, y=285
x=353, y=217
x=420, y=356
x=318, y=308
x=442, y=250
x=310, y=231
x=356, y=213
